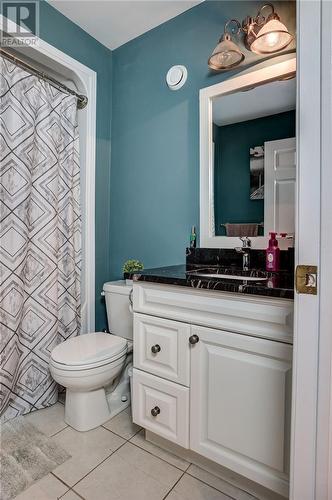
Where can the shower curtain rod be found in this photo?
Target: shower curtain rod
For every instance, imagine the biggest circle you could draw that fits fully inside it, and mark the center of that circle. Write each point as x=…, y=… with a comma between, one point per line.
x=82, y=100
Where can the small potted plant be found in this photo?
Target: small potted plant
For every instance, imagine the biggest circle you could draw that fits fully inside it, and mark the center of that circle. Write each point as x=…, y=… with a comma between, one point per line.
x=130, y=267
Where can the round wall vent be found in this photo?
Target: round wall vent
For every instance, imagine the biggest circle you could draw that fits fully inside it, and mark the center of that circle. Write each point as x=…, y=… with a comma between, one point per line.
x=176, y=77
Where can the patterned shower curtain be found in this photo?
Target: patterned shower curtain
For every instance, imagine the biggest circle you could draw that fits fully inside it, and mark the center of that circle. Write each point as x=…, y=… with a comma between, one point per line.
x=40, y=235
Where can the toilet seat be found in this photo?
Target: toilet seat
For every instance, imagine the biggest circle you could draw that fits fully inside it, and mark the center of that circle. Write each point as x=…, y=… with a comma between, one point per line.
x=88, y=351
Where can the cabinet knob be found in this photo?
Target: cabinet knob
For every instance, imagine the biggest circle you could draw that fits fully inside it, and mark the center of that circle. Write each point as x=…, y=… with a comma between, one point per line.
x=155, y=348
x=194, y=339
x=155, y=411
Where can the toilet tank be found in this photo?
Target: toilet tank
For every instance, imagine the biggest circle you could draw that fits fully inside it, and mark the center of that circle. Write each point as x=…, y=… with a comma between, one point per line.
x=119, y=311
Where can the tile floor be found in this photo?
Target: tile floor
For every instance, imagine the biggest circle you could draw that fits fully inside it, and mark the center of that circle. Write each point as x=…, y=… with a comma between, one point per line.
x=114, y=462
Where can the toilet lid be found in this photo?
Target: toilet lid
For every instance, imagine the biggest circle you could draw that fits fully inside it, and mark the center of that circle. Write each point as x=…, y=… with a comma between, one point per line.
x=89, y=348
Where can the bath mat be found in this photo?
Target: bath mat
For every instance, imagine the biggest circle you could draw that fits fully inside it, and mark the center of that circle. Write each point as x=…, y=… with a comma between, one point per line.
x=26, y=455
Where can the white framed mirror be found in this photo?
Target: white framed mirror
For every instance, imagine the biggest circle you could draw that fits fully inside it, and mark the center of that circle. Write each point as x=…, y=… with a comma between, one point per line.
x=247, y=157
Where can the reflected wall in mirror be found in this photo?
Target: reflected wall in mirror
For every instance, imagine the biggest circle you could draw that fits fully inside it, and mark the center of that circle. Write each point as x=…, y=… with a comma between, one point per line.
x=253, y=155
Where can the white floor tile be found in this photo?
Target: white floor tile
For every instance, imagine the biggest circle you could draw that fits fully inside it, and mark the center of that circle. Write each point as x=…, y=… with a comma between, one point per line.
x=70, y=495
x=139, y=440
x=50, y=420
x=147, y=463
x=136, y=470
x=87, y=450
x=123, y=425
x=129, y=474
x=48, y=488
x=219, y=484
x=189, y=488
x=174, y=496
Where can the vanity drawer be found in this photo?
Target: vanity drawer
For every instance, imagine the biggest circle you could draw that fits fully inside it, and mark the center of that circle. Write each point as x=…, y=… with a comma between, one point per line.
x=256, y=316
x=161, y=407
x=161, y=347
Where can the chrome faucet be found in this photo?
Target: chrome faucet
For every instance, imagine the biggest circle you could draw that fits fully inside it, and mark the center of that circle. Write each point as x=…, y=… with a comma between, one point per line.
x=245, y=250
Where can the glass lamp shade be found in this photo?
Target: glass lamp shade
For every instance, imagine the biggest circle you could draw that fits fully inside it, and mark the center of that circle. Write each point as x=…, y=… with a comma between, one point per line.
x=226, y=55
x=272, y=37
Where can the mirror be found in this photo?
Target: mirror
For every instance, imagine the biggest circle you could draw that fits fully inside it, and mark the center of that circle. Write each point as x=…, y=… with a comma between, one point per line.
x=249, y=128
x=251, y=155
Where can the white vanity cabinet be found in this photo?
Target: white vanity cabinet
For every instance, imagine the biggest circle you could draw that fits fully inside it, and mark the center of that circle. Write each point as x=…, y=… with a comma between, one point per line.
x=222, y=391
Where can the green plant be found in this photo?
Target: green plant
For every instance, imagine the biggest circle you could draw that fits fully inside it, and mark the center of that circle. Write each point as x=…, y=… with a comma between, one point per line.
x=132, y=265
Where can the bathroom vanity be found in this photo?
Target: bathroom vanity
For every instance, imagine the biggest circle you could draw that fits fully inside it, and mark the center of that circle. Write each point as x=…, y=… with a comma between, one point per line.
x=213, y=338
x=212, y=368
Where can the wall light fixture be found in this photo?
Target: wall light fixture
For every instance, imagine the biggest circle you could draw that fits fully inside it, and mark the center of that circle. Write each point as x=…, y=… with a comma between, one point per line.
x=227, y=54
x=262, y=35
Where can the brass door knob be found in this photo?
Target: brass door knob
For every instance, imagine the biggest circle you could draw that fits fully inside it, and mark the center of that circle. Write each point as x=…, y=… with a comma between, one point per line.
x=155, y=348
x=155, y=411
x=194, y=339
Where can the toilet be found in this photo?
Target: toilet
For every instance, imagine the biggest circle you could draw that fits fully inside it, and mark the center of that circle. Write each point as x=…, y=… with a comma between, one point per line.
x=93, y=367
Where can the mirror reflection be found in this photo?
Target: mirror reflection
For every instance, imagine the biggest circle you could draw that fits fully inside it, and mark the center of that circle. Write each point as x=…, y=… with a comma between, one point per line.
x=253, y=155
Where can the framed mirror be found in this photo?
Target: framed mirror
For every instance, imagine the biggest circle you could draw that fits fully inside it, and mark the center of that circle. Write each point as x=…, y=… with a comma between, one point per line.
x=247, y=157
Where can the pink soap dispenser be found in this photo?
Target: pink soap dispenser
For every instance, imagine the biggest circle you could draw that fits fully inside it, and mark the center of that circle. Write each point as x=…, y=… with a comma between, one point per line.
x=272, y=254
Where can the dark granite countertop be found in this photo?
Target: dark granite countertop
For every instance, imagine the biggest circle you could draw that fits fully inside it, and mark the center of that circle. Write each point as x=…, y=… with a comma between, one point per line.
x=278, y=284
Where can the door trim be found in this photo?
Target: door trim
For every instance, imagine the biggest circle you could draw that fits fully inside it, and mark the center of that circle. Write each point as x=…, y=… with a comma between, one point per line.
x=324, y=407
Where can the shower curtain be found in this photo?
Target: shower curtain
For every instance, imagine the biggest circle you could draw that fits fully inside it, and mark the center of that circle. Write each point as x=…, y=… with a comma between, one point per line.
x=40, y=235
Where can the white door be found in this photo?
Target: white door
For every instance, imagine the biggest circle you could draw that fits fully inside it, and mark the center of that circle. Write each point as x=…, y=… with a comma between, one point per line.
x=311, y=440
x=279, y=186
x=240, y=398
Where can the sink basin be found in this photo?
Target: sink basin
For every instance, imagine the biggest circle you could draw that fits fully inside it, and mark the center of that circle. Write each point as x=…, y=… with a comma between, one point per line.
x=229, y=274
x=229, y=277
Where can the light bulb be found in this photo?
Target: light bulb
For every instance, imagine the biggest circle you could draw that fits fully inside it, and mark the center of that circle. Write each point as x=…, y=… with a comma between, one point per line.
x=272, y=39
x=269, y=38
x=226, y=55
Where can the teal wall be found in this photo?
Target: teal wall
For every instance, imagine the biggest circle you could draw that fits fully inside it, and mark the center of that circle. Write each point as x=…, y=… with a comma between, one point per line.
x=60, y=32
x=232, y=174
x=147, y=201
x=155, y=132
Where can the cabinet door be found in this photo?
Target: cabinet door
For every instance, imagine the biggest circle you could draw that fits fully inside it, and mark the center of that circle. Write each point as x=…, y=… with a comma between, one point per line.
x=161, y=347
x=240, y=404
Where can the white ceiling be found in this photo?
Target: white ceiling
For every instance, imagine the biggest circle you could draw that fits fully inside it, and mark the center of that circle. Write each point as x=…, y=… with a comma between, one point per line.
x=270, y=99
x=114, y=22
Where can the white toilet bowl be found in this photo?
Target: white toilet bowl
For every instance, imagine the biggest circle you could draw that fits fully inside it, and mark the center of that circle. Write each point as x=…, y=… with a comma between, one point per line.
x=86, y=365
x=93, y=367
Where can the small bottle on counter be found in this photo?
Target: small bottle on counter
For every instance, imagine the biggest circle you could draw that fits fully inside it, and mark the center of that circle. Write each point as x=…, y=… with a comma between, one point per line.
x=272, y=254
x=193, y=237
